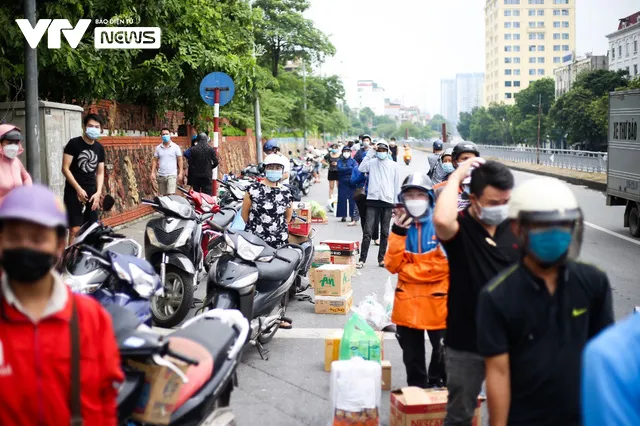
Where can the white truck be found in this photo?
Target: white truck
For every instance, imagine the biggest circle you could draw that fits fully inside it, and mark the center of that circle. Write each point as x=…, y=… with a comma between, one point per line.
x=623, y=165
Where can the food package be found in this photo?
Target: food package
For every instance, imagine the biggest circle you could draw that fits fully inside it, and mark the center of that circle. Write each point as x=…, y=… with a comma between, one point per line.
x=373, y=312
x=355, y=393
x=360, y=340
x=331, y=280
x=301, y=224
x=317, y=211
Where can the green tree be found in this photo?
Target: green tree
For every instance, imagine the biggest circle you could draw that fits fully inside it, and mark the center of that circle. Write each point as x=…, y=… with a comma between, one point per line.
x=573, y=111
x=601, y=82
x=436, y=123
x=464, y=124
x=386, y=130
x=366, y=117
x=286, y=34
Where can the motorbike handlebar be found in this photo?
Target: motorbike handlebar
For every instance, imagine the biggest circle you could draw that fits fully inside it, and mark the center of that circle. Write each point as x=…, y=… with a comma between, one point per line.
x=215, y=226
x=183, y=190
x=118, y=236
x=181, y=357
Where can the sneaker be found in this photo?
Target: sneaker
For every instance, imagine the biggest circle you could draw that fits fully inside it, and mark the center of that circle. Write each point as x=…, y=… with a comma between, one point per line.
x=360, y=265
x=377, y=242
x=381, y=264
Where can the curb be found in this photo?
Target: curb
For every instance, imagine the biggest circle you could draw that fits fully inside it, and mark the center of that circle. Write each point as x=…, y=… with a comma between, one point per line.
x=132, y=222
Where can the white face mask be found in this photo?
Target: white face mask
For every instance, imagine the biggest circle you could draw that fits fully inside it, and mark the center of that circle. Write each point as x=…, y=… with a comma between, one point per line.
x=494, y=215
x=416, y=208
x=11, y=150
x=346, y=155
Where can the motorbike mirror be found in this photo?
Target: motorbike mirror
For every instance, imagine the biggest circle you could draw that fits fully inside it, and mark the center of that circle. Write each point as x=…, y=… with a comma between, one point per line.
x=107, y=203
x=261, y=167
x=290, y=152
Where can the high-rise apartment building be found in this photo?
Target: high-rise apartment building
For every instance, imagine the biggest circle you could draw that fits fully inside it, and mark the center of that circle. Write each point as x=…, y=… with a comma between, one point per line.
x=525, y=40
x=448, y=100
x=469, y=92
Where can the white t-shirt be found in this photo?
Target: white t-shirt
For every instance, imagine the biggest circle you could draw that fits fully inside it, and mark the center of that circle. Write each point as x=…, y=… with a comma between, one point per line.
x=168, y=159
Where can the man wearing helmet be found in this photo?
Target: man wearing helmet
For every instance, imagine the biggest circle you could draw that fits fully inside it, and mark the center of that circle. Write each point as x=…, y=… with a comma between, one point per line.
x=433, y=158
x=461, y=153
x=423, y=283
x=535, y=318
x=479, y=244
x=46, y=330
x=443, y=168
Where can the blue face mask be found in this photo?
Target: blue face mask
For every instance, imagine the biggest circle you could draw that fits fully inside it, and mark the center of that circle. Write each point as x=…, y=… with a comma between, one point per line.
x=92, y=133
x=273, y=175
x=448, y=167
x=550, y=244
x=166, y=138
x=382, y=155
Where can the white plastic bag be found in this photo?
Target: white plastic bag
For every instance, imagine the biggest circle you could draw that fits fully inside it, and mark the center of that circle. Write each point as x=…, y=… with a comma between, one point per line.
x=355, y=392
x=389, y=295
x=373, y=312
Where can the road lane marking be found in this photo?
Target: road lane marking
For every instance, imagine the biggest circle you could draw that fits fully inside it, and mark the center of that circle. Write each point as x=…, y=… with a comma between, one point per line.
x=615, y=234
x=294, y=333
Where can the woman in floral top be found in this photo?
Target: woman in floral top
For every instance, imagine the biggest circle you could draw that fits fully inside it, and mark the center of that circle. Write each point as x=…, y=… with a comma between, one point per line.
x=266, y=208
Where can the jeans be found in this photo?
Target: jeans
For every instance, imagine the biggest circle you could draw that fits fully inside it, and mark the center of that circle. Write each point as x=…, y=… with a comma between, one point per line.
x=361, y=204
x=465, y=374
x=381, y=215
x=414, y=357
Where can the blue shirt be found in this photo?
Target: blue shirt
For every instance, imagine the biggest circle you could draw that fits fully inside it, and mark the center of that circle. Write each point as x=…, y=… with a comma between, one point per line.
x=611, y=376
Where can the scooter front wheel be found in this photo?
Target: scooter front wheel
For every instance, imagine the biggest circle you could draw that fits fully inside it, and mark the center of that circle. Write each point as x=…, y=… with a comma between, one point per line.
x=172, y=308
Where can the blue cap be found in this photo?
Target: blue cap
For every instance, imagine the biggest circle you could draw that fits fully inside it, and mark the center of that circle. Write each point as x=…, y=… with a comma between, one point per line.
x=35, y=204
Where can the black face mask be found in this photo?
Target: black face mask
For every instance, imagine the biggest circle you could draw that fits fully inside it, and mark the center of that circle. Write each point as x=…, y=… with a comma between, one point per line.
x=26, y=265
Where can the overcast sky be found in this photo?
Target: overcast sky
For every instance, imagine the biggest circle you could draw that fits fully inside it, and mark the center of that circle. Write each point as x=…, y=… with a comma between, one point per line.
x=408, y=46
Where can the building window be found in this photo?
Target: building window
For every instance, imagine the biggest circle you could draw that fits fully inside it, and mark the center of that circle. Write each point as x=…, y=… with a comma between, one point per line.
x=516, y=72
x=507, y=36
x=540, y=24
x=540, y=36
x=507, y=24
x=556, y=12
x=516, y=24
x=565, y=24
x=541, y=48
x=556, y=24
x=627, y=50
x=613, y=52
x=628, y=71
x=556, y=48
x=516, y=83
x=540, y=71
x=532, y=72
x=507, y=60
x=635, y=69
x=635, y=46
x=511, y=1
x=532, y=60
x=507, y=48
x=532, y=36
x=516, y=60
x=516, y=48
x=532, y=24
x=540, y=12
x=556, y=60
x=541, y=60
x=565, y=36
x=507, y=72
x=565, y=12
x=556, y=36
x=507, y=95
x=507, y=12
x=620, y=51
x=532, y=12
x=507, y=84
x=536, y=1
x=532, y=48
x=565, y=48
x=516, y=36
x=560, y=1
x=516, y=12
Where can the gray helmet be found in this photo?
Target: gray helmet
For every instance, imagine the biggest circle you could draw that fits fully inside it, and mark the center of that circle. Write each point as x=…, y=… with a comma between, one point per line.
x=448, y=151
x=417, y=181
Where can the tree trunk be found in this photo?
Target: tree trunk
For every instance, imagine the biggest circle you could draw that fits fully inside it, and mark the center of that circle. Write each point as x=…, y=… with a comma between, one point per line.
x=276, y=62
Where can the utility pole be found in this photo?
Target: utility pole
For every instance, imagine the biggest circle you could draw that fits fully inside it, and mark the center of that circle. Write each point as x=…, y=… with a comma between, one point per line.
x=539, y=124
x=304, y=81
x=32, y=120
x=256, y=96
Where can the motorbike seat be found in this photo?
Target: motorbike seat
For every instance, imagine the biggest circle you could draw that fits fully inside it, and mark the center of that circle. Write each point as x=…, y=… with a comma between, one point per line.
x=199, y=374
x=279, y=270
x=125, y=247
x=208, y=198
x=224, y=218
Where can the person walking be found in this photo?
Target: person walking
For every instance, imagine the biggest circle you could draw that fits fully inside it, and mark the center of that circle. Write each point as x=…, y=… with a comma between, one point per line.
x=187, y=159
x=393, y=148
x=479, y=244
x=331, y=159
x=360, y=183
x=433, y=158
x=12, y=171
x=420, y=301
x=443, y=168
x=203, y=160
x=346, y=204
x=366, y=145
x=535, y=318
x=59, y=360
x=384, y=182
x=83, y=168
x=166, y=166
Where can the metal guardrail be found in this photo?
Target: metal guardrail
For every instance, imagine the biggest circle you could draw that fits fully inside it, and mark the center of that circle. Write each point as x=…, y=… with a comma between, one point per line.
x=584, y=161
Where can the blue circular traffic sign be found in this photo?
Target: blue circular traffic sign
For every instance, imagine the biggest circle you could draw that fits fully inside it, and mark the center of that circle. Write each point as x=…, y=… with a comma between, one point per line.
x=217, y=80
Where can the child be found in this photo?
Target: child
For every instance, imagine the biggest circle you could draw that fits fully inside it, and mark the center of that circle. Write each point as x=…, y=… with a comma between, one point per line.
x=423, y=282
x=266, y=208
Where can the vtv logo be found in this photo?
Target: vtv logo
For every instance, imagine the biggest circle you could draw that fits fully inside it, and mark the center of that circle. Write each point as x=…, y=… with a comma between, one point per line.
x=33, y=35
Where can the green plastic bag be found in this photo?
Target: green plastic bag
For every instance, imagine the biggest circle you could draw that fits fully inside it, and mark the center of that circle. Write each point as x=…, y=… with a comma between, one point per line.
x=317, y=211
x=360, y=340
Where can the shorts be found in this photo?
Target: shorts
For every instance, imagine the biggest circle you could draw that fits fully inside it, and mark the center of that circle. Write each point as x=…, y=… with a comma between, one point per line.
x=75, y=214
x=333, y=175
x=167, y=185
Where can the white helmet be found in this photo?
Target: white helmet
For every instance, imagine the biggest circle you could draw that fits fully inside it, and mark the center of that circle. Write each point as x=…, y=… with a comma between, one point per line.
x=544, y=199
x=382, y=143
x=275, y=159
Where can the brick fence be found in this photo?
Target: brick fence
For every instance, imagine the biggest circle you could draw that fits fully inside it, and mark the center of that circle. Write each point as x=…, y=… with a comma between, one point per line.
x=128, y=169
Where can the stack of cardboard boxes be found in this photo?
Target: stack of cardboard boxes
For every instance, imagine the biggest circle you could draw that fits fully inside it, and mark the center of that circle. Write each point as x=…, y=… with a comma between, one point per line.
x=334, y=265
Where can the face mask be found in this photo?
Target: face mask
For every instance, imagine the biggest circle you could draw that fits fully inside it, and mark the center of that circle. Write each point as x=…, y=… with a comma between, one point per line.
x=92, y=133
x=551, y=244
x=448, y=167
x=494, y=215
x=416, y=208
x=26, y=265
x=166, y=138
x=382, y=155
x=274, y=175
x=346, y=155
x=366, y=144
x=10, y=151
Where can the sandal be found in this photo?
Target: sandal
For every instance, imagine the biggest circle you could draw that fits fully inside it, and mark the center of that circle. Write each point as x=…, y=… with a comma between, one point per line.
x=359, y=265
x=286, y=323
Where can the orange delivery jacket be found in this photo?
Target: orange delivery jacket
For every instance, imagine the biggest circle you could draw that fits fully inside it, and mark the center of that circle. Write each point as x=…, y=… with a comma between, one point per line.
x=416, y=255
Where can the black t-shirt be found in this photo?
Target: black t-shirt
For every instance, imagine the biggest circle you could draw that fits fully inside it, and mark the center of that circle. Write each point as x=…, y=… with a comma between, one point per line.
x=332, y=161
x=474, y=259
x=544, y=336
x=202, y=161
x=85, y=162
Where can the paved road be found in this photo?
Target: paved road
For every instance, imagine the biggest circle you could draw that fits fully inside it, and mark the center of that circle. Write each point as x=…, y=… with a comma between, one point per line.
x=292, y=389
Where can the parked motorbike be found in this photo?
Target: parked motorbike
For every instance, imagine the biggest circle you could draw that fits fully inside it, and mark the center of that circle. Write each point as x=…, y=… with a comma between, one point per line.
x=256, y=279
x=172, y=244
x=302, y=173
x=211, y=344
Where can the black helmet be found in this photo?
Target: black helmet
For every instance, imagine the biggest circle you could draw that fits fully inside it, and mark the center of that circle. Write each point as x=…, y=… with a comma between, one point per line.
x=346, y=148
x=202, y=137
x=463, y=147
x=438, y=146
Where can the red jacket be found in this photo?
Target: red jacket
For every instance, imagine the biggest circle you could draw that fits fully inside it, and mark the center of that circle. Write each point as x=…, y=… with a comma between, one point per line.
x=35, y=366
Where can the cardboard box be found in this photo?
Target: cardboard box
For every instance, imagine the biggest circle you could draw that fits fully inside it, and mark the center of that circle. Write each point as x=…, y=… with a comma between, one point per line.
x=350, y=261
x=342, y=245
x=160, y=393
x=345, y=252
x=331, y=280
x=301, y=225
x=413, y=406
x=386, y=374
x=321, y=255
x=334, y=305
x=332, y=348
x=297, y=239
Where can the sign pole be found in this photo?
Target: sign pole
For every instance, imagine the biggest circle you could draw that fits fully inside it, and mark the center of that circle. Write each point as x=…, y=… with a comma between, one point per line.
x=216, y=129
x=31, y=104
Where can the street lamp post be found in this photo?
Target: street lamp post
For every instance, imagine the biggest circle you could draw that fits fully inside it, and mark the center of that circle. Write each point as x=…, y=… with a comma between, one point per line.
x=304, y=82
x=539, y=124
x=256, y=106
x=32, y=117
